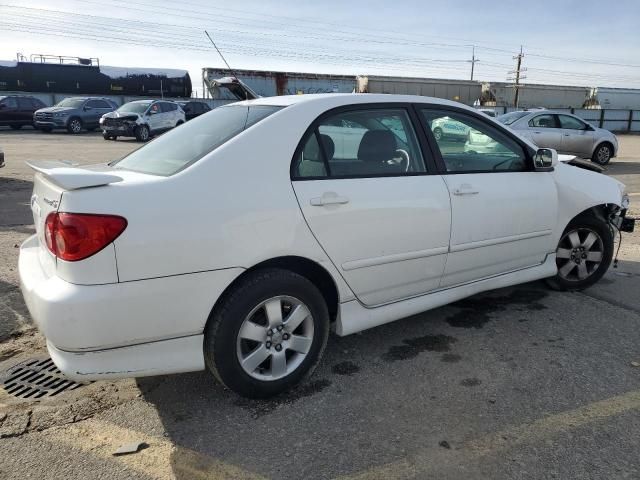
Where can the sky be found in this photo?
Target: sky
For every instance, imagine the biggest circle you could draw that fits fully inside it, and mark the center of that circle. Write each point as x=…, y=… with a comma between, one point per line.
x=585, y=42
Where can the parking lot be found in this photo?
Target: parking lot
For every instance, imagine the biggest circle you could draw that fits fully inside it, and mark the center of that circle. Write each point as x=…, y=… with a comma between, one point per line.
x=518, y=383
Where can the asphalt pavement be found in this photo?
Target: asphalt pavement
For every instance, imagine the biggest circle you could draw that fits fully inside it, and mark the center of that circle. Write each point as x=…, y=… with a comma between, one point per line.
x=520, y=383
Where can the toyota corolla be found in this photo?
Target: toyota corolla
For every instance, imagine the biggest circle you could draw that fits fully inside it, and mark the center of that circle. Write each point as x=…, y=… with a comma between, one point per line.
x=237, y=242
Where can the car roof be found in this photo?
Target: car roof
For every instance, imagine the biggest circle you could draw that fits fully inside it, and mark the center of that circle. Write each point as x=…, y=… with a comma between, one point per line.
x=338, y=99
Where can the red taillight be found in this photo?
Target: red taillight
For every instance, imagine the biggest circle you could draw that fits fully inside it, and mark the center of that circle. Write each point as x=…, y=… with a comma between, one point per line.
x=76, y=236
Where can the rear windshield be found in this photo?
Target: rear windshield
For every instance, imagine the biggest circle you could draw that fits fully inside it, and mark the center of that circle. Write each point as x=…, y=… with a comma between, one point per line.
x=183, y=146
x=509, y=118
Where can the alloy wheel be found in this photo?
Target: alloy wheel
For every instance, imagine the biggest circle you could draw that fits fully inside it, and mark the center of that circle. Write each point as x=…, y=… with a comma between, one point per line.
x=76, y=126
x=603, y=155
x=275, y=338
x=579, y=254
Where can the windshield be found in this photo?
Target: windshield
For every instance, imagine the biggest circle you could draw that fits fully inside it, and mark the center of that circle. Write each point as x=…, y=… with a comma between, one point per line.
x=71, y=102
x=134, y=107
x=509, y=118
x=183, y=146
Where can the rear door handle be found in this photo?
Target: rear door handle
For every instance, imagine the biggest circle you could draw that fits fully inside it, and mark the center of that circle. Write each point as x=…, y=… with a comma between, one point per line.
x=329, y=198
x=465, y=189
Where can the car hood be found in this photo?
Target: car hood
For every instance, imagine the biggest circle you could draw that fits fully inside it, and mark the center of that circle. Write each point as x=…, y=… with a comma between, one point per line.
x=56, y=109
x=122, y=115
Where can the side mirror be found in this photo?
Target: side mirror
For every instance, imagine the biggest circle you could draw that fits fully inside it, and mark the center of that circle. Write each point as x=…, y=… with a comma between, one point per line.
x=545, y=159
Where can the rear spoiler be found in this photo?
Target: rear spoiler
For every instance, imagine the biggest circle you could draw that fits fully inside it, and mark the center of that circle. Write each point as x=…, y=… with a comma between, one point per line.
x=71, y=177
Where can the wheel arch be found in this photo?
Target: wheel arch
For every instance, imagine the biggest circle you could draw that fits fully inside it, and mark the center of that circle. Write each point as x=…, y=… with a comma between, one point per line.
x=313, y=271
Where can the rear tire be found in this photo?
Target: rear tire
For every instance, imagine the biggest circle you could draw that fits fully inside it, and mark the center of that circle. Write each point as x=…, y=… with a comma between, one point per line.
x=602, y=154
x=583, y=255
x=142, y=133
x=267, y=334
x=16, y=126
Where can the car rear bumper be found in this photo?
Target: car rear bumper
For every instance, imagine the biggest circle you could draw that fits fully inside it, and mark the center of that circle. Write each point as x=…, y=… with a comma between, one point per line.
x=136, y=318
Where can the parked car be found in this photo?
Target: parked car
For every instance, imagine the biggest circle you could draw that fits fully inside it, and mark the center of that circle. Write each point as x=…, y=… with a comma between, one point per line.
x=447, y=128
x=16, y=111
x=565, y=133
x=141, y=119
x=194, y=108
x=246, y=235
x=73, y=114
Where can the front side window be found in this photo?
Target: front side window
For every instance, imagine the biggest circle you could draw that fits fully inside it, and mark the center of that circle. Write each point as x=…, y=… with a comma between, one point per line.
x=543, y=121
x=25, y=103
x=360, y=143
x=468, y=144
x=571, y=123
x=179, y=148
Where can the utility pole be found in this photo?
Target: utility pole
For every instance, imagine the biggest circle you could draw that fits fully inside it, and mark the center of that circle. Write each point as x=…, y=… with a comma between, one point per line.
x=518, y=77
x=473, y=60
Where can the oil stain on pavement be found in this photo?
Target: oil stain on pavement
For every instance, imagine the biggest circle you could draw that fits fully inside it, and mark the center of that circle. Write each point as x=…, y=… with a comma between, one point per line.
x=345, y=368
x=413, y=346
x=475, y=312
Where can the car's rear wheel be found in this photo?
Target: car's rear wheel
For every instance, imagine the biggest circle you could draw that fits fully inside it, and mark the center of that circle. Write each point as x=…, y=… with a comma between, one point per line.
x=16, y=126
x=437, y=133
x=142, y=133
x=602, y=154
x=74, y=126
x=583, y=255
x=268, y=334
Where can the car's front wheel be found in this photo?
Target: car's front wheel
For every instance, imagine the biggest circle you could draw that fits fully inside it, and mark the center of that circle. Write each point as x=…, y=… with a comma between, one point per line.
x=142, y=133
x=74, y=126
x=583, y=255
x=602, y=154
x=268, y=334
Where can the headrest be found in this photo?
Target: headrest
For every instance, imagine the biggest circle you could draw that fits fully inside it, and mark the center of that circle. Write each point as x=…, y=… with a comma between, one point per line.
x=377, y=146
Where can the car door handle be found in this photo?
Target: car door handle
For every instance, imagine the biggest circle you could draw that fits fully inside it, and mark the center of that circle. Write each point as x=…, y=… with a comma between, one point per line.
x=465, y=189
x=328, y=198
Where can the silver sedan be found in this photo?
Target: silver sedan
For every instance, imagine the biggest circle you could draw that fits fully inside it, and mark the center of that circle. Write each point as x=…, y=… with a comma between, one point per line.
x=565, y=133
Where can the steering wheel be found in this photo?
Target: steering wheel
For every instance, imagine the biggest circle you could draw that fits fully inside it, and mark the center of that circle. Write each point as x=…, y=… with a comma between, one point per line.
x=402, y=159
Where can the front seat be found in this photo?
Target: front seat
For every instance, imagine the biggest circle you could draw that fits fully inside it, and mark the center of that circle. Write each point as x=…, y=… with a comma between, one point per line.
x=376, y=148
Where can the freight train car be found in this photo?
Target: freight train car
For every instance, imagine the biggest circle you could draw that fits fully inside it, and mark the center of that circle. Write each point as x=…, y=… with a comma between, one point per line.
x=91, y=79
x=269, y=84
x=463, y=91
x=539, y=95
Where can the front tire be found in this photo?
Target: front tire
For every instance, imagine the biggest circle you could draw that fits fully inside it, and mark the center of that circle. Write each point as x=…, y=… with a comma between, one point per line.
x=602, y=155
x=74, y=126
x=268, y=334
x=142, y=133
x=583, y=255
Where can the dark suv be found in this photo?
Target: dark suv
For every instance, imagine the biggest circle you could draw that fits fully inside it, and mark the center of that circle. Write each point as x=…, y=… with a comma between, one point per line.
x=74, y=114
x=193, y=109
x=16, y=111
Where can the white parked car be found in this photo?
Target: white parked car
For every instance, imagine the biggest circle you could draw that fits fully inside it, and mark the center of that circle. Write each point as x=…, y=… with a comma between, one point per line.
x=238, y=241
x=141, y=119
x=565, y=133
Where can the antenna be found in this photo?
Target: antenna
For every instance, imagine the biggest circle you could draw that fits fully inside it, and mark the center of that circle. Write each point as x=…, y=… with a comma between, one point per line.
x=246, y=97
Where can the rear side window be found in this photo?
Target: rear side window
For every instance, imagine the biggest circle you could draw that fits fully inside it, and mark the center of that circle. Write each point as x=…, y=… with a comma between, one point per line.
x=179, y=148
x=168, y=107
x=571, y=123
x=37, y=103
x=543, y=121
x=24, y=103
x=9, y=102
x=360, y=143
x=98, y=104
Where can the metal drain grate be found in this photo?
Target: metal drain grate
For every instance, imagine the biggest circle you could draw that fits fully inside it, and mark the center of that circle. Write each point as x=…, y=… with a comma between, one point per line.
x=36, y=378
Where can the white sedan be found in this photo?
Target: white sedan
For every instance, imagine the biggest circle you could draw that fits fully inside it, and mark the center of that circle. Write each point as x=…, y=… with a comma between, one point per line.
x=238, y=241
